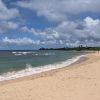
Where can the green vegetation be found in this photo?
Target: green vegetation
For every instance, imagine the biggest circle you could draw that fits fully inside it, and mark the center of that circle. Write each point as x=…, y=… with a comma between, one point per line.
x=80, y=48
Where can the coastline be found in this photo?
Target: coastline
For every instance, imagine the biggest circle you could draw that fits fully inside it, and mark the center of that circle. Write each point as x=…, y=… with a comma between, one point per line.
x=79, y=80
x=82, y=59
x=42, y=69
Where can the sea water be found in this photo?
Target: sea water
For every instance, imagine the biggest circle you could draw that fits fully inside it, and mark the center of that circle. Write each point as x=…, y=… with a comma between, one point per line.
x=15, y=64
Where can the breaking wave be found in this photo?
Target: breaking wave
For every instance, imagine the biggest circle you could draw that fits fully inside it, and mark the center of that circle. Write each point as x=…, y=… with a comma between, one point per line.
x=33, y=53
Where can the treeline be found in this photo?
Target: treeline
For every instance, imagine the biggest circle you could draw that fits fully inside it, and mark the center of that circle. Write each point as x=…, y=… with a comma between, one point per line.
x=80, y=48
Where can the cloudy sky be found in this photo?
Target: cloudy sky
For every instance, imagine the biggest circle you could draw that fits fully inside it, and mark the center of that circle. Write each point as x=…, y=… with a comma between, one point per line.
x=31, y=24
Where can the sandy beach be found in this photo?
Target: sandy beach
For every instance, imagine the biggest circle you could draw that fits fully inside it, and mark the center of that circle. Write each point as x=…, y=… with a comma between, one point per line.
x=80, y=81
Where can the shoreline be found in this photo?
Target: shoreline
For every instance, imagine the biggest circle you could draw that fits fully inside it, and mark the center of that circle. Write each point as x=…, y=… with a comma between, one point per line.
x=81, y=59
x=80, y=81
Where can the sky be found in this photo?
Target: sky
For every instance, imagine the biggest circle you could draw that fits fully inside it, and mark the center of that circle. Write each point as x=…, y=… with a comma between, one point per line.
x=32, y=24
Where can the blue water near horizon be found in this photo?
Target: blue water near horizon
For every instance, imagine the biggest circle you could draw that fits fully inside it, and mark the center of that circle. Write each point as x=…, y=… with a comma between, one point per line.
x=13, y=63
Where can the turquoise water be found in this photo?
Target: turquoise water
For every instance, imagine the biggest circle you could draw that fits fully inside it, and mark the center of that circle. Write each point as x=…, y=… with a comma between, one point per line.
x=14, y=61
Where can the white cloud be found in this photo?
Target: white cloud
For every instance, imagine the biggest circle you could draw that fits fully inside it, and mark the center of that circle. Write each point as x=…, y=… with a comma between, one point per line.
x=90, y=22
x=6, y=14
x=18, y=41
x=71, y=33
x=25, y=41
x=7, y=25
x=58, y=10
x=48, y=33
x=31, y=30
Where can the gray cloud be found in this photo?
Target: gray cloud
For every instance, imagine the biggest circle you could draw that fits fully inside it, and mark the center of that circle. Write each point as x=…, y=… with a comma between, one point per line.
x=58, y=10
x=89, y=33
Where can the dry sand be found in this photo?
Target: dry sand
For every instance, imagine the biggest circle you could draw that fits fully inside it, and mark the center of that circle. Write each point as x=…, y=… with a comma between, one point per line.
x=80, y=81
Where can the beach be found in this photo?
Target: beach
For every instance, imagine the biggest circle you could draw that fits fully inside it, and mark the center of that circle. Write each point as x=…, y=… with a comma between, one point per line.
x=80, y=81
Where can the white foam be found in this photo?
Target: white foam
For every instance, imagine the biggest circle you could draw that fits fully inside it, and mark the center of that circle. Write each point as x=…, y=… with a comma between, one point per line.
x=33, y=53
x=22, y=52
x=30, y=70
x=14, y=52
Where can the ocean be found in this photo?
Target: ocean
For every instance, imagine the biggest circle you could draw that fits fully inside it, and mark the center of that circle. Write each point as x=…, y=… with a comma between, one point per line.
x=15, y=64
